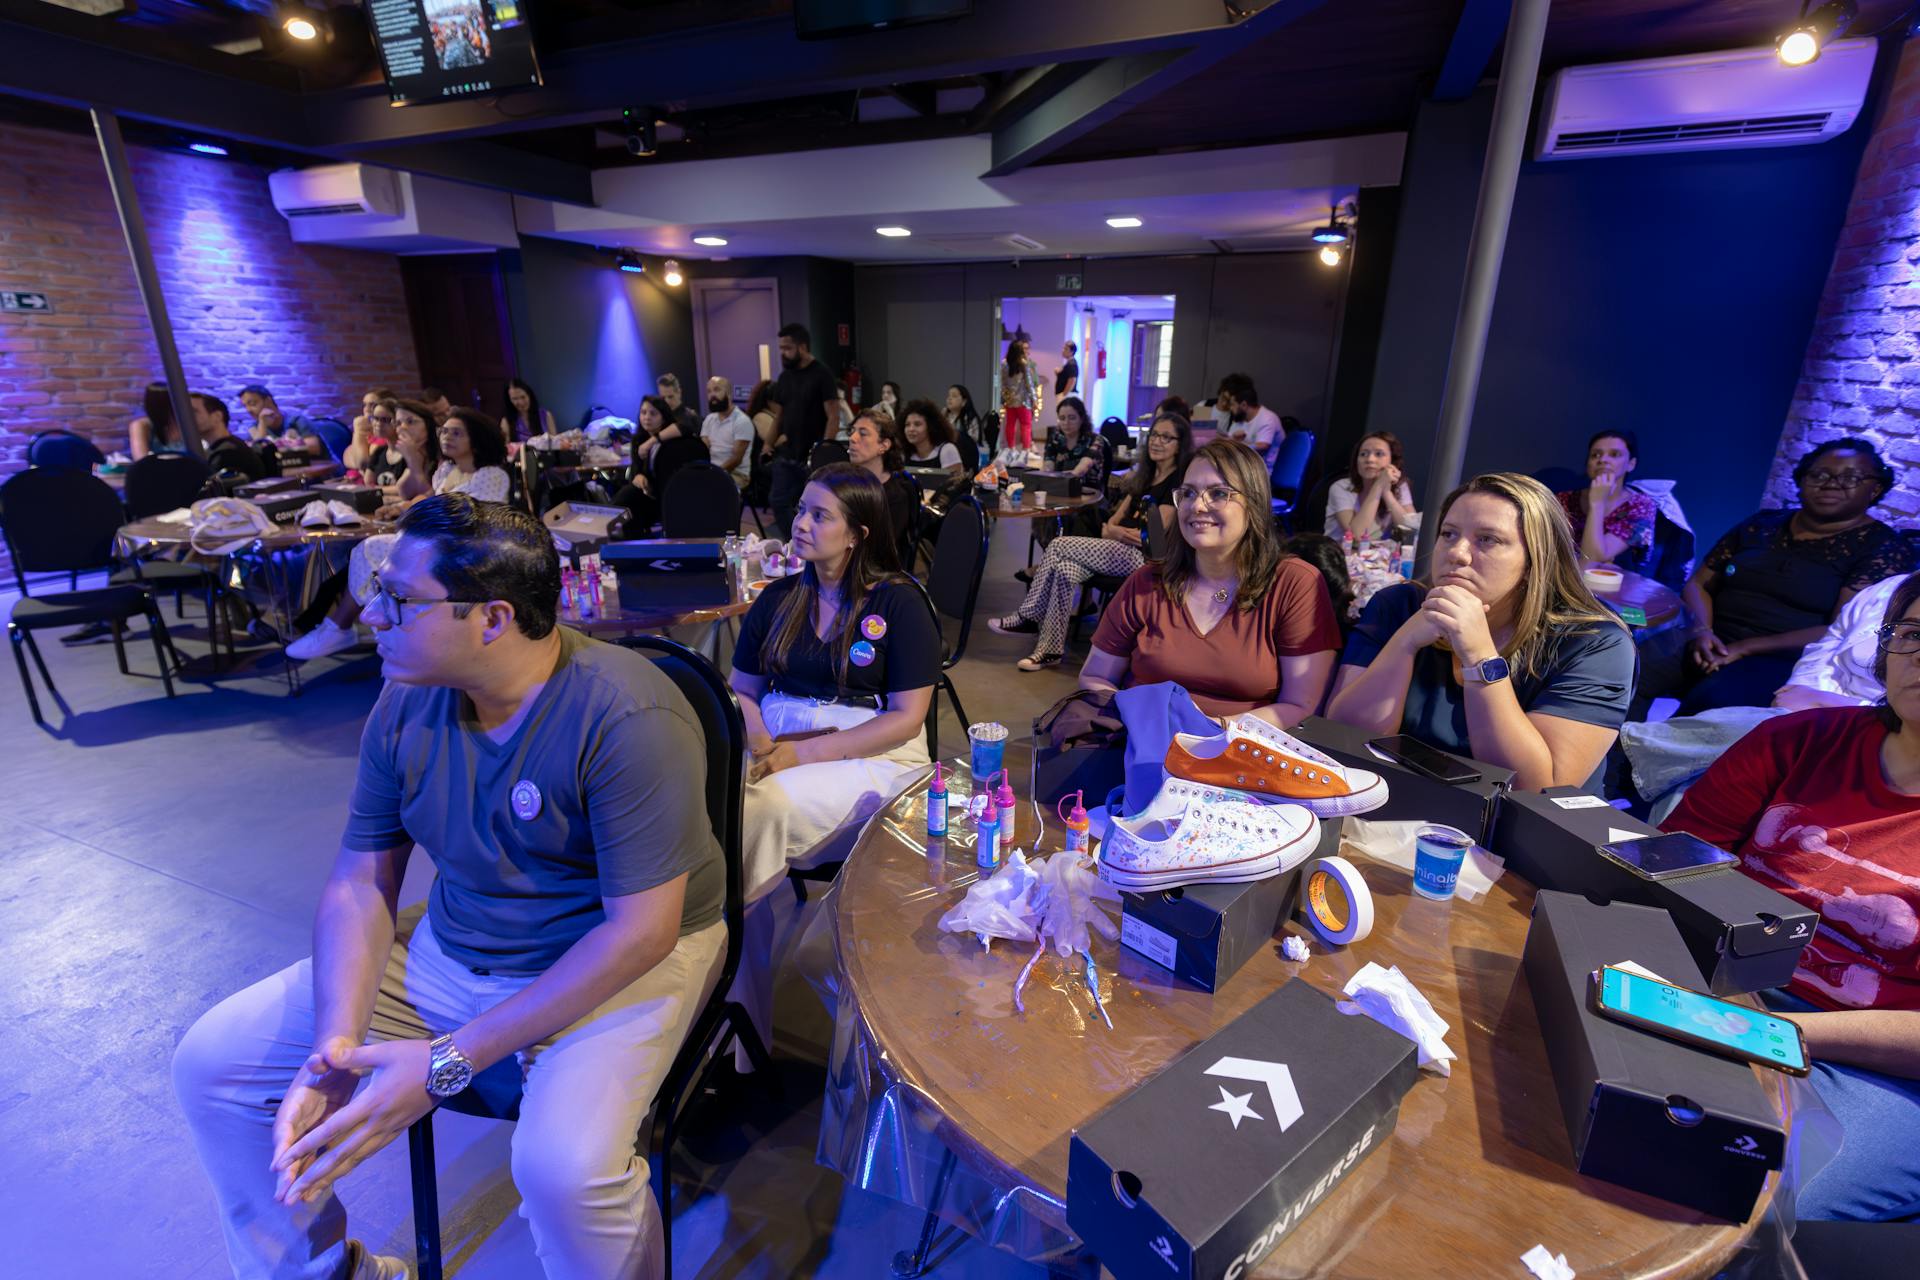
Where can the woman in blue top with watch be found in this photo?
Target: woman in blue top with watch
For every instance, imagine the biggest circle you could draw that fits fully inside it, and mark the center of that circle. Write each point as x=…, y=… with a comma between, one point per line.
x=1505, y=656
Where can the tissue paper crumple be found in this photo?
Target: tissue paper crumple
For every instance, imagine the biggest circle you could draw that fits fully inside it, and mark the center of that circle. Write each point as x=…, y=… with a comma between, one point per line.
x=1548, y=1266
x=1388, y=998
x=1294, y=948
x=999, y=906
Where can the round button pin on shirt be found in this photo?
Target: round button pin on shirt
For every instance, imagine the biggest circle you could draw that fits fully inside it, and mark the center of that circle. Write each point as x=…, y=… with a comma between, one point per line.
x=526, y=800
x=873, y=627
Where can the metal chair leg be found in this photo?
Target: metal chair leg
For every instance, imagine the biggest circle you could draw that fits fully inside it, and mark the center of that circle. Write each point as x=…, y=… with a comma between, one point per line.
x=910, y=1265
x=953, y=696
x=162, y=644
x=426, y=1199
x=33, y=647
x=120, y=646
x=14, y=635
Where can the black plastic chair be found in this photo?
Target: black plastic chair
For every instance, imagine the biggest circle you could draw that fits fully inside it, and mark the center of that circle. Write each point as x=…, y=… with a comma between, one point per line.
x=334, y=434
x=1114, y=432
x=163, y=482
x=495, y=1092
x=60, y=521
x=63, y=449
x=1671, y=560
x=701, y=501
x=969, y=452
x=826, y=453
x=953, y=589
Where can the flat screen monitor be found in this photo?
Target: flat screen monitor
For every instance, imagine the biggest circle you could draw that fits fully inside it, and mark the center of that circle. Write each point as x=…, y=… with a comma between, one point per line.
x=432, y=49
x=821, y=19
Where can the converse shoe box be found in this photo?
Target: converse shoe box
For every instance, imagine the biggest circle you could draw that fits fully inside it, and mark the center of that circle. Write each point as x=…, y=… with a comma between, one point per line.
x=669, y=572
x=256, y=490
x=1743, y=935
x=580, y=528
x=1645, y=1112
x=1202, y=1170
x=364, y=498
x=1413, y=796
x=1055, y=484
x=1205, y=933
x=285, y=507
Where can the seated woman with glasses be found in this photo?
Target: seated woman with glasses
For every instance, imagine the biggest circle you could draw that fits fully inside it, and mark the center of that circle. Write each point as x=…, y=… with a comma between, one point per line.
x=1227, y=617
x=834, y=668
x=1505, y=655
x=1824, y=806
x=1120, y=549
x=1773, y=584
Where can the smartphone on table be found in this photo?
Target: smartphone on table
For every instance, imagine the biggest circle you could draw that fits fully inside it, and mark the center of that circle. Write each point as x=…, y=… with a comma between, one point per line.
x=1421, y=758
x=1668, y=856
x=1702, y=1021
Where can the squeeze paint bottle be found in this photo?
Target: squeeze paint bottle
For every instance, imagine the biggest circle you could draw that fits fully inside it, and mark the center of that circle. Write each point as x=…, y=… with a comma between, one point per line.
x=1009, y=806
x=1077, y=823
x=937, y=803
x=986, y=844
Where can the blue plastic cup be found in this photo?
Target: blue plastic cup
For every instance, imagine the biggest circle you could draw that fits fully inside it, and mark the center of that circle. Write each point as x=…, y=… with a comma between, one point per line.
x=1437, y=854
x=989, y=739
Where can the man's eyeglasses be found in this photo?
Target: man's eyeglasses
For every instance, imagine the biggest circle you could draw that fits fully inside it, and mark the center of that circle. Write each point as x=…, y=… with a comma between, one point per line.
x=1900, y=637
x=1215, y=494
x=1838, y=479
x=389, y=606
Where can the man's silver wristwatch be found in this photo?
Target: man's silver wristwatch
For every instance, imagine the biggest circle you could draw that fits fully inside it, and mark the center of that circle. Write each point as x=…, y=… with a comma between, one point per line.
x=448, y=1070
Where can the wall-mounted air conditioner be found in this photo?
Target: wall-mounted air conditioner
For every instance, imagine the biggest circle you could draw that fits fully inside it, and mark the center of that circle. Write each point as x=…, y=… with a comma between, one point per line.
x=1707, y=101
x=336, y=190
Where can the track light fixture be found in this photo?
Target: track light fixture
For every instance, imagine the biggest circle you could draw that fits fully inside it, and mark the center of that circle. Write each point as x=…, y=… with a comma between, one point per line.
x=1333, y=254
x=643, y=131
x=1335, y=232
x=672, y=274
x=629, y=261
x=1802, y=42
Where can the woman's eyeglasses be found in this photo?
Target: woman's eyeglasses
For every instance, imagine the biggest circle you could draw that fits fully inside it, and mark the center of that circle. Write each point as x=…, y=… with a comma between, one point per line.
x=1900, y=637
x=1164, y=437
x=1215, y=494
x=1838, y=479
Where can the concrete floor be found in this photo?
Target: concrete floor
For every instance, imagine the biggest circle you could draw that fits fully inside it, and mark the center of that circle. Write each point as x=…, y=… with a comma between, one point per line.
x=159, y=855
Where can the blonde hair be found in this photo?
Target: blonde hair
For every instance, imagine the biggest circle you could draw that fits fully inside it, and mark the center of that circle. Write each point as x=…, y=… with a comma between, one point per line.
x=1553, y=597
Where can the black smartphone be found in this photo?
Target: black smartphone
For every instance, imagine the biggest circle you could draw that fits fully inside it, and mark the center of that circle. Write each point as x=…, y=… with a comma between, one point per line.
x=1718, y=1026
x=1421, y=758
x=1667, y=857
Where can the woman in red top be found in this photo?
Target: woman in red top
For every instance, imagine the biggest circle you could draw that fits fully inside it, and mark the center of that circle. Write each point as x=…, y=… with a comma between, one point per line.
x=1824, y=806
x=1226, y=617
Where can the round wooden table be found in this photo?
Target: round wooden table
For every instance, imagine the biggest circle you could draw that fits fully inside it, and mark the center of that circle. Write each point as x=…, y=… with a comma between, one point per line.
x=1659, y=602
x=1478, y=1170
x=622, y=617
x=1031, y=510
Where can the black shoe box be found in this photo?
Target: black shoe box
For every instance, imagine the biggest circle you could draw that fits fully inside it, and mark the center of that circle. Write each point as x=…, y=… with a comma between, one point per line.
x=1055, y=484
x=1206, y=1167
x=285, y=508
x=1205, y=933
x=1743, y=935
x=1413, y=796
x=257, y=490
x=363, y=498
x=1642, y=1111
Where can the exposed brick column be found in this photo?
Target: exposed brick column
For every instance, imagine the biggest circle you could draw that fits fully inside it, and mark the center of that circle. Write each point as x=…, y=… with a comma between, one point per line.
x=1861, y=376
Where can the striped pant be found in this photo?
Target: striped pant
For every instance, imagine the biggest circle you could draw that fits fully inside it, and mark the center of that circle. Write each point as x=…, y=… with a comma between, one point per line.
x=1056, y=585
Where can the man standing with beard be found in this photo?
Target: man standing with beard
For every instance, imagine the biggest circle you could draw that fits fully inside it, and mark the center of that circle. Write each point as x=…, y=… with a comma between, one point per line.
x=808, y=396
x=1244, y=418
x=727, y=431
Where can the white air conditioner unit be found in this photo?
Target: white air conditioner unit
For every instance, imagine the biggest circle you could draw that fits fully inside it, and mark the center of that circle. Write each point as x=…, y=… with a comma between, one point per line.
x=1703, y=102
x=336, y=190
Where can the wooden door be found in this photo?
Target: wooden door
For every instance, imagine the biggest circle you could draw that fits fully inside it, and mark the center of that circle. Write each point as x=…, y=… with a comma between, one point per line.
x=462, y=333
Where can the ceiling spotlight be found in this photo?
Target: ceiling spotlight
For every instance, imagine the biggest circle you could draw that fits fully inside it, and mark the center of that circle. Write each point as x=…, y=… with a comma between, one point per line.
x=298, y=21
x=673, y=276
x=207, y=148
x=892, y=233
x=1802, y=42
x=1332, y=254
x=643, y=131
x=711, y=242
x=629, y=261
x=1123, y=222
x=1335, y=232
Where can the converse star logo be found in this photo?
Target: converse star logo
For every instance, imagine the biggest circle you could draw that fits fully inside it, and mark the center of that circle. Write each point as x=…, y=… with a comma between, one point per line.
x=1235, y=1105
x=1274, y=1075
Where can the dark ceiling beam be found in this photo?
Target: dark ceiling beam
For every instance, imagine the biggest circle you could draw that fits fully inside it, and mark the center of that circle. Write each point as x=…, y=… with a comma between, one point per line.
x=252, y=102
x=1481, y=27
x=765, y=60
x=1116, y=84
x=921, y=99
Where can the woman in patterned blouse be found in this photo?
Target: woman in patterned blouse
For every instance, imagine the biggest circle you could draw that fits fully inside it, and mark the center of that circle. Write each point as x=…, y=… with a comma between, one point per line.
x=1620, y=530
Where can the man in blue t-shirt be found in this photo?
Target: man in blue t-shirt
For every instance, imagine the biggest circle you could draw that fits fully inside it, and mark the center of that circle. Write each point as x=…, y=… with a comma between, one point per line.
x=558, y=785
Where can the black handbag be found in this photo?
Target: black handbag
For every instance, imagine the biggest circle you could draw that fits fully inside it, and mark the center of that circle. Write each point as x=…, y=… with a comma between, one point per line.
x=1079, y=744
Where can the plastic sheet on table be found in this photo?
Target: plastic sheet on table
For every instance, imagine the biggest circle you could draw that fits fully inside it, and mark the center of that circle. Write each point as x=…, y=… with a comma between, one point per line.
x=880, y=1130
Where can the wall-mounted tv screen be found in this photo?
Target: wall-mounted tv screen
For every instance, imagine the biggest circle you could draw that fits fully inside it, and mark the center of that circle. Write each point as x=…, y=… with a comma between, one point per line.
x=433, y=49
x=823, y=19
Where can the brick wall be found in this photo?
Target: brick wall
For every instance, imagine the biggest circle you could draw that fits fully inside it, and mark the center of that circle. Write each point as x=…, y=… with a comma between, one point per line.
x=317, y=325
x=1861, y=376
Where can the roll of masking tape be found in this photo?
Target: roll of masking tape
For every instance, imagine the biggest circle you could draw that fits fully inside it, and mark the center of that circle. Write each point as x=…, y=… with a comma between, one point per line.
x=1336, y=901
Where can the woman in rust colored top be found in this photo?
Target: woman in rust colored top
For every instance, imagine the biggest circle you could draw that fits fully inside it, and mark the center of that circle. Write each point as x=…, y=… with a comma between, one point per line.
x=1226, y=617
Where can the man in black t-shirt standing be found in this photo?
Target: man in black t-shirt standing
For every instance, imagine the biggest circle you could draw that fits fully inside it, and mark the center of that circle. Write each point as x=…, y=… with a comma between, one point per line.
x=807, y=394
x=1067, y=381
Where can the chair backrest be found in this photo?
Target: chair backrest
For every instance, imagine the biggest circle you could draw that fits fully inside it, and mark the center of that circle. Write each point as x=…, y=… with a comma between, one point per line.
x=1290, y=463
x=909, y=543
x=64, y=449
x=1114, y=431
x=700, y=501
x=334, y=434
x=1157, y=536
x=58, y=521
x=1670, y=562
x=826, y=453
x=725, y=732
x=959, y=560
x=162, y=482
x=969, y=452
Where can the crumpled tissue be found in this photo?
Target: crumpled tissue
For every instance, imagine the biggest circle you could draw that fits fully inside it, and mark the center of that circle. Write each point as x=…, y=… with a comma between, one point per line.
x=999, y=906
x=1294, y=948
x=1548, y=1266
x=1386, y=996
x=1392, y=843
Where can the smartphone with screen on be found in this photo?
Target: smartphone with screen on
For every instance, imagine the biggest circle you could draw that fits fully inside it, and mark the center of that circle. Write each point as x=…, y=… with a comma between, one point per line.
x=1421, y=758
x=1718, y=1026
x=1667, y=857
